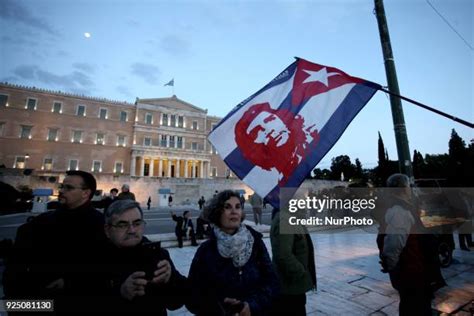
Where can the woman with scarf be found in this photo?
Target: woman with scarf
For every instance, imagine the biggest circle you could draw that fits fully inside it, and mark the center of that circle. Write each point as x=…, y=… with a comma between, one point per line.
x=231, y=273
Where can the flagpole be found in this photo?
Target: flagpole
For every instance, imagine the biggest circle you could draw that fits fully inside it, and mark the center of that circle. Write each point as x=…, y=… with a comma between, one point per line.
x=401, y=137
x=452, y=117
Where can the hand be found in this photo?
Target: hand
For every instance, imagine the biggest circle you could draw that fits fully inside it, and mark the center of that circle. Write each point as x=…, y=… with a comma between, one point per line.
x=56, y=285
x=134, y=285
x=245, y=311
x=163, y=272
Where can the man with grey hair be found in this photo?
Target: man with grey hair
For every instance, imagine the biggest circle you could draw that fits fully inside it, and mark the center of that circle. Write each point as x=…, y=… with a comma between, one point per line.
x=140, y=276
x=407, y=250
x=126, y=194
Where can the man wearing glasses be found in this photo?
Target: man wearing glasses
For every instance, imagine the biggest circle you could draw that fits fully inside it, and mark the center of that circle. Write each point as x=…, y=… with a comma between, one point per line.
x=55, y=253
x=140, y=276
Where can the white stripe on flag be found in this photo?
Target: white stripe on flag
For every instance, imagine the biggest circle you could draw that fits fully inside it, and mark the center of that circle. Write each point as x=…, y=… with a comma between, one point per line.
x=262, y=180
x=319, y=109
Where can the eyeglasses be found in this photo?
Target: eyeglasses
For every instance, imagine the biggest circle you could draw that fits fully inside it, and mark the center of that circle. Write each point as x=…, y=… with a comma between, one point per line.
x=127, y=225
x=68, y=187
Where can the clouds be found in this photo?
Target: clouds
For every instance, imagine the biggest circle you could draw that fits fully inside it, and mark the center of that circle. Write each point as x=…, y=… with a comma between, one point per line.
x=14, y=11
x=76, y=81
x=148, y=72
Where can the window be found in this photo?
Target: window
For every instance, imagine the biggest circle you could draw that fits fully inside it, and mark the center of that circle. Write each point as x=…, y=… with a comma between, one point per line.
x=103, y=114
x=173, y=120
x=96, y=166
x=121, y=141
x=180, y=142
x=53, y=134
x=213, y=150
x=214, y=172
x=180, y=121
x=81, y=110
x=47, y=164
x=31, y=104
x=73, y=164
x=195, y=125
x=163, y=141
x=194, y=146
x=2, y=128
x=118, y=167
x=20, y=162
x=148, y=118
x=123, y=116
x=76, y=137
x=164, y=120
x=172, y=143
x=3, y=100
x=26, y=131
x=57, y=107
x=100, y=139
x=147, y=141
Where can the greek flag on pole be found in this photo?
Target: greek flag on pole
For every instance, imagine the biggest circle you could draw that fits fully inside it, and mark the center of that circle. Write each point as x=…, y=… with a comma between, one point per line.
x=277, y=136
x=170, y=83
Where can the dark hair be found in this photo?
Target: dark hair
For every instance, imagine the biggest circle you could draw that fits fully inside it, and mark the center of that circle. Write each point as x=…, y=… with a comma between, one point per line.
x=114, y=190
x=214, y=209
x=120, y=207
x=185, y=212
x=87, y=179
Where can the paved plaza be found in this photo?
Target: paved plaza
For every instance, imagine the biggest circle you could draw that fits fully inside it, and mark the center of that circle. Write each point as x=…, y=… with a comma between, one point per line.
x=350, y=281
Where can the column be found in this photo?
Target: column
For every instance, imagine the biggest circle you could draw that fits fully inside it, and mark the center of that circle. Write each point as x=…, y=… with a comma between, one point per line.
x=193, y=169
x=177, y=168
x=142, y=166
x=150, y=170
x=160, y=167
x=185, y=168
x=201, y=169
x=169, y=168
x=133, y=166
x=208, y=172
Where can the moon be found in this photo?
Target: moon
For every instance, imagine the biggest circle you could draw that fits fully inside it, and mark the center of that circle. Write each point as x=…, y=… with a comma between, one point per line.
x=87, y=34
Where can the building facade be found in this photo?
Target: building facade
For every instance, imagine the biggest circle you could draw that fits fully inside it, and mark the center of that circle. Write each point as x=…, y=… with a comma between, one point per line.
x=51, y=132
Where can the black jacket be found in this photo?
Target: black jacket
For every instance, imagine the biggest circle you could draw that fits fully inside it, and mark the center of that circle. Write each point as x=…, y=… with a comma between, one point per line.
x=213, y=278
x=121, y=262
x=57, y=244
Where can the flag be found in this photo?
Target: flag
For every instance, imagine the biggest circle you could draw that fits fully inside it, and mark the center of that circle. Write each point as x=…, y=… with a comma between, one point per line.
x=170, y=83
x=274, y=138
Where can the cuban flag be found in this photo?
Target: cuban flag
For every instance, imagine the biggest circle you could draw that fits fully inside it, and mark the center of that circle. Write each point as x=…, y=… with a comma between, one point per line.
x=276, y=137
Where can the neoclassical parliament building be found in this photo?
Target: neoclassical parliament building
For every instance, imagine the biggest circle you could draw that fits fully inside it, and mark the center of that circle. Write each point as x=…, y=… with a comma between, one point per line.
x=51, y=132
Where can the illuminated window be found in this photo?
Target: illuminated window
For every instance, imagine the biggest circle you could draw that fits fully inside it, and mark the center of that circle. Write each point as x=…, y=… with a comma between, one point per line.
x=3, y=100
x=123, y=116
x=20, y=162
x=195, y=125
x=26, y=132
x=180, y=142
x=81, y=110
x=73, y=164
x=31, y=104
x=53, y=134
x=77, y=136
x=121, y=140
x=47, y=164
x=103, y=114
x=96, y=166
x=118, y=168
x=100, y=139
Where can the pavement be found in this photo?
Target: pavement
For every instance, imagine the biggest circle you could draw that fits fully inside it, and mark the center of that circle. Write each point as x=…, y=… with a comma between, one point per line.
x=349, y=278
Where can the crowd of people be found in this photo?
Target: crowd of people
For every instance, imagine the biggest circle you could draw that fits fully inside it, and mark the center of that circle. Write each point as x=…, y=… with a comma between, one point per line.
x=85, y=260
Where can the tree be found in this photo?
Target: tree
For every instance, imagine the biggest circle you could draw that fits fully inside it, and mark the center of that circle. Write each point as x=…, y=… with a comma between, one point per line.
x=321, y=174
x=342, y=164
x=359, y=173
x=418, y=165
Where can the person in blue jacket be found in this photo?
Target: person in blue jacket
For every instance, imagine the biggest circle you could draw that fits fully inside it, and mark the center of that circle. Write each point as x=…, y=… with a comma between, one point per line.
x=231, y=273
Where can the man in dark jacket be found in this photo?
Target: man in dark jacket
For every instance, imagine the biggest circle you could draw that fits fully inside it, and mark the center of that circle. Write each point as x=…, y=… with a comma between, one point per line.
x=139, y=276
x=184, y=226
x=293, y=259
x=54, y=254
x=407, y=251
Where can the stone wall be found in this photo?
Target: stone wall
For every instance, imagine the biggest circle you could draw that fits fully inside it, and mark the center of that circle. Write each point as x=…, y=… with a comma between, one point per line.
x=184, y=191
